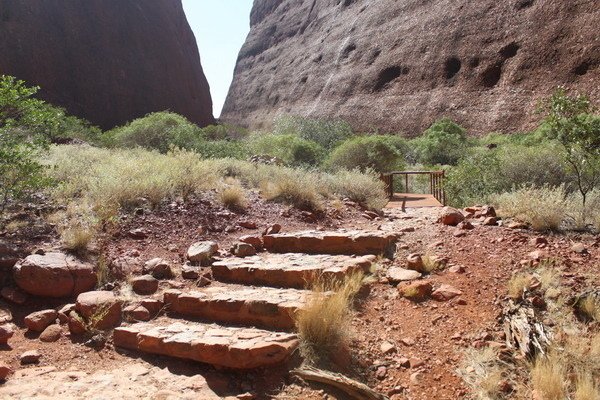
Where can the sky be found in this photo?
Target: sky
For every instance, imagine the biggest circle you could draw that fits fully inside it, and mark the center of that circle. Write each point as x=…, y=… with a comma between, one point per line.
x=221, y=27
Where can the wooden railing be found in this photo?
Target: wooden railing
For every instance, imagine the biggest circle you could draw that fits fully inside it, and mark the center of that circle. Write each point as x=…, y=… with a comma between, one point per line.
x=436, y=182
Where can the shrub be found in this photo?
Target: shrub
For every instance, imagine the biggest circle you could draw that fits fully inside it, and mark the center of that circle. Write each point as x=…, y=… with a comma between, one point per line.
x=364, y=188
x=327, y=133
x=324, y=325
x=157, y=131
x=223, y=132
x=222, y=149
x=366, y=152
x=299, y=189
x=291, y=149
x=543, y=208
x=444, y=142
x=538, y=166
x=77, y=226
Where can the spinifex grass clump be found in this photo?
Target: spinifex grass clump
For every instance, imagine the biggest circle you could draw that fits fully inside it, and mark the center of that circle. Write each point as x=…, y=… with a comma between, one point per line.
x=324, y=325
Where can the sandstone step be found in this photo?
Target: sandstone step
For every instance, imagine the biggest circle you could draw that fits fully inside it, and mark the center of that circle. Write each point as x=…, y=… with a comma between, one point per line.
x=288, y=270
x=349, y=243
x=230, y=347
x=263, y=307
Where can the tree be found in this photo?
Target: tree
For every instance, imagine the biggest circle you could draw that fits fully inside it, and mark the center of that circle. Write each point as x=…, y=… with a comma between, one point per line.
x=444, y=142
x=25, y=123
x=570, y=121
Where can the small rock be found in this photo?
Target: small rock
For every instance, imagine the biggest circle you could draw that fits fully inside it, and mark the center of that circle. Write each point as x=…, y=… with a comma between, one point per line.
x=136, y=313
x=414, y=262
x=416, y=377
x=539, y=241
x=30, y=357
x=243, y=250
x=451, y=216
x=404, y=362
x=202, y=252
x=255, y=241
x=459, y=233
x=6, y=332
x=5, y=371
x=38, y=321
x=457, y=269
x=490, y=221
x=158, y=268
x=397, y=274
x=381, y=373
x=387, y=348
x=51, y=334
x=416, y=363
x=445, y=293
x=63, y=313
x=144, y=285
x=13, y=295
x=465, y=225
x=246, y=396
x=272, y=230
x=416, y=291
x=247, y=224
x=516, y=225
x=102, y=309
x=154, y=306
x=407, y=341
x=190, y=272
x=538, y=255
x=579, y=248
x=138, y=234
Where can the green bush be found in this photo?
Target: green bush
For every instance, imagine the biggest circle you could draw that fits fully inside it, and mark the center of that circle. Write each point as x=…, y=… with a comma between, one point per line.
x=222, y=149
x=374, y=152
x=223, y=132
x=25, y=124
x=157, y=131
x=444, y=143
x=291, y=149
x=327, y=133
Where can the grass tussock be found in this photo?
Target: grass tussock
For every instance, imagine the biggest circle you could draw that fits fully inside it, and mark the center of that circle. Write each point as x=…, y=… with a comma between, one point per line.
x=296, y=189
x=432, y=263
x=589, y=308
x=324, y=325
x=232, y=195
x=518, y=285
x=586, y=389
x=547, y=378
x=77, y=226
x=543, y=208
x=482, y=372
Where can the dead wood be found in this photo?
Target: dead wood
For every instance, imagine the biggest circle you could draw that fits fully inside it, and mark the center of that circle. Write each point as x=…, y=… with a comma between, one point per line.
x=357, y=390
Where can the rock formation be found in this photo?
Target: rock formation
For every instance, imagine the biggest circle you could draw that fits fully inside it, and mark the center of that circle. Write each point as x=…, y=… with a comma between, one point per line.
x=398, y=65
x=109, y=61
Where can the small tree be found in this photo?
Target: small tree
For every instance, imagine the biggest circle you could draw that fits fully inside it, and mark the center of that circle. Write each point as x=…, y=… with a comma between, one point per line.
x=570, y=121
x=444, y=142
x=24, y=125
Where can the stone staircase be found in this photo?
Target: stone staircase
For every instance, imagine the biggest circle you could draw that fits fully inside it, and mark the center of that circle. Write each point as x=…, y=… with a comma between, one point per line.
x=249, y=326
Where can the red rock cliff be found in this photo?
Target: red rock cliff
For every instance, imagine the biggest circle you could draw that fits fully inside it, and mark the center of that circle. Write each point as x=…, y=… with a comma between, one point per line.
x=109, y=61
x=398, y=65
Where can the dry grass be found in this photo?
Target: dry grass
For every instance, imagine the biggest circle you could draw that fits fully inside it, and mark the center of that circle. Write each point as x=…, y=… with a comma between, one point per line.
x=547, y=378
x=589, y=307
x=296, y=189
x=232, y=195
x=518, y=284
x=595, y=346
x=324, y=325
x=76, y=225
x=482, y=372
x=103, y=275
x=586, y=389
x=543, y=208
x=432, y=263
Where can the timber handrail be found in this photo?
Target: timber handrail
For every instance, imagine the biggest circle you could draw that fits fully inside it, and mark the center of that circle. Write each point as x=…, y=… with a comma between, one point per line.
x=436, y=182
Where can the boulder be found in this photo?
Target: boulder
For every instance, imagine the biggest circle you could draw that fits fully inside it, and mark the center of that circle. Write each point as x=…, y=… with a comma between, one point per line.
x=9, y=255
x=38, y=321
x=54, y=275
x=190, y=272
x=445, y=293
x=144, y=285
x=136, y=313
x=63, y=313
x=13, y=295
x=272, y=230
x=158, y=268
x=490, y=221
x=6, y=332
x=451, y=216
x=397, y=274
x=416, y=291
x=202, y=252
x=51, y=334
x=101, y=309
x=243, y=250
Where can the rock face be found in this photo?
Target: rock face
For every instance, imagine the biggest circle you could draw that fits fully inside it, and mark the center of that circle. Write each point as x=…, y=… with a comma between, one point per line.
x=109, y=61
x=397, y=66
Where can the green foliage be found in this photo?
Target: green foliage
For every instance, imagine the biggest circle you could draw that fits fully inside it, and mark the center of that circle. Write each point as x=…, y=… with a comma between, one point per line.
x=24, y=124
x=570, y=121
x=374, y=152
x=291, y=149
x=444, y=142
x=157, y=131
x=223, y=132
x=222, y=149
x=327, y=133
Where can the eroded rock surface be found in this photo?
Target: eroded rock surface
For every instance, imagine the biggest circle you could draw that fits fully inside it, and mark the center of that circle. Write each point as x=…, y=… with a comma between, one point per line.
x=397, y=66
x=106, y=61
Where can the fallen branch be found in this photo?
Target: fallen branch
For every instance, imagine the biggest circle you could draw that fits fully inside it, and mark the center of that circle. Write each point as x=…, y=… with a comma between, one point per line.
x=357, y=390
x=525, y=330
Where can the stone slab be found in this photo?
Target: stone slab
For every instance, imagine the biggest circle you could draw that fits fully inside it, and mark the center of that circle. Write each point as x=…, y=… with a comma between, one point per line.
x=348, y=242
x=263, y=307
x=288, y=270
x=230, y=347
